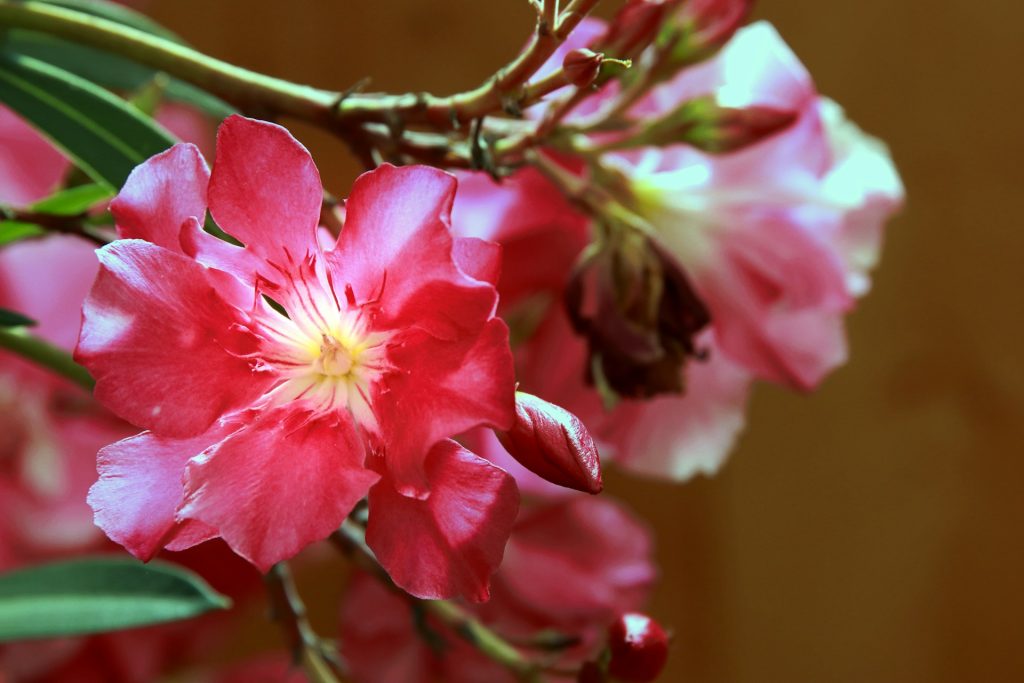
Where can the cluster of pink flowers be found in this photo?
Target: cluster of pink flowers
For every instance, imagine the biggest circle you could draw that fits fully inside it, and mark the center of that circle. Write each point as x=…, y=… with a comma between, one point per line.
x=285, y=376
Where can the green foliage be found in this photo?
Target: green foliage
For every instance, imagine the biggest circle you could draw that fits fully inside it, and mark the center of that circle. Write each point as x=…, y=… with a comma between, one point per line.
x=105, y=136
x=12, y=231
x=14, y=319
x=73, y=201
x=105, y=69
x=98, y=594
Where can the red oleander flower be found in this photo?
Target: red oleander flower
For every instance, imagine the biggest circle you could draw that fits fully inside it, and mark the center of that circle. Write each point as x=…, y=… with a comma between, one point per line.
x=282, y=381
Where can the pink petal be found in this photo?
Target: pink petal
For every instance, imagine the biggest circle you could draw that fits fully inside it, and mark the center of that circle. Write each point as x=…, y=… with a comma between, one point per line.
x=777, y=295
x=160, y=194
x=30, y=166
x=479, y=259
x=265, y=190
x=678, y=437
x=47, y=279
x=279, y=484
x=140, y=488
x=445, y=388
x=396, y=247
x=450, y=543
x=159, y=341
x=577, y=561
x=378, y=636
x=539, y=245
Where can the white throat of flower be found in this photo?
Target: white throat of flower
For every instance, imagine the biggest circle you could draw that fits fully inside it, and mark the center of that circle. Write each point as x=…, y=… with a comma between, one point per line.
x=323, y=350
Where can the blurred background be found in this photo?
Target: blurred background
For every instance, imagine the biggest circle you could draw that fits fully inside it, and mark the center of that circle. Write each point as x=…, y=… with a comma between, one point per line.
x=871, y=531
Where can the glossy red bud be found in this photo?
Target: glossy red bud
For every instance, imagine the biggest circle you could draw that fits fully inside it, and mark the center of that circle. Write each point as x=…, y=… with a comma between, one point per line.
x=552, y=443
x=639, y=648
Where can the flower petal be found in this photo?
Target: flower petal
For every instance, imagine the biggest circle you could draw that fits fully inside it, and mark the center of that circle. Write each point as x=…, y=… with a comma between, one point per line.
x=161, y=344
x=140, y=488
x=279, y=484
x=265, y=190
x=160, y=194
x=445, y=388
x=677, y=437
x=578, y=561
x=396, y=248
x=30, y=166
x=450, y=543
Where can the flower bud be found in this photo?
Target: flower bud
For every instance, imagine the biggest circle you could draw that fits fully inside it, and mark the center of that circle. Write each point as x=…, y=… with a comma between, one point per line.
x=710, y=127
x=552, y=443
x=582, y=66
x=711, y=23
x=639, y=648
x=639, y=314
x=635, y=25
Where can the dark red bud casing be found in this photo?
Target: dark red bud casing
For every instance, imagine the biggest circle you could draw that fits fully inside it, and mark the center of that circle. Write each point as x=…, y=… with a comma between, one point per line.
x=552, y=443
x=639, y=648
x=582, y=66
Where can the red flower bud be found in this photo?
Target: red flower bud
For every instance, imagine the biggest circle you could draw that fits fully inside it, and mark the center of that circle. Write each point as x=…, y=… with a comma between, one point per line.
x=582, y=66
x=639, y=648
x=552, y=443
x=636, y=25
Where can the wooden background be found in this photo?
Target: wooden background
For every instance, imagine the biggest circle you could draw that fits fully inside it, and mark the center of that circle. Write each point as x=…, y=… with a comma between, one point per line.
x=870, y=532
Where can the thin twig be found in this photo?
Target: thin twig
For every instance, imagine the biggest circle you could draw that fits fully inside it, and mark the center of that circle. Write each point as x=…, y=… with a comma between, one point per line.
x=42, y=352
x=350, y=538
x=288, y=609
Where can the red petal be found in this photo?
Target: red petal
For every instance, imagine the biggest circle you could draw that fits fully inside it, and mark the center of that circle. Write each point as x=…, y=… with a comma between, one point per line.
x=445, y=388
x=30, y=166
x=553, y=443
x=140, y=488
x=157, y=337
x=450, y=543
x=265, y=190
x=396, y=247
x=160, y=194
x=578, y=561
x=479, y=259
x=278, y=485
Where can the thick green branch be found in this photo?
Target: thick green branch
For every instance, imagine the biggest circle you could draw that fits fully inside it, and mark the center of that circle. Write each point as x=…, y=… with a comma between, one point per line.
x=43, y=353
x=243, y=88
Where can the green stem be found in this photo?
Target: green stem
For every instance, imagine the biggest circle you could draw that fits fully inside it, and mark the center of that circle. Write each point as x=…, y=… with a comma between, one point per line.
x=351, y=538
x=243, y=88
x=41, y=352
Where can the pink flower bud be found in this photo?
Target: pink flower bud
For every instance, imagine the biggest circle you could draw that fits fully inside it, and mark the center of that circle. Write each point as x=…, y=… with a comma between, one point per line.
x=639, y=648
x=552, y=443
x=582, y=66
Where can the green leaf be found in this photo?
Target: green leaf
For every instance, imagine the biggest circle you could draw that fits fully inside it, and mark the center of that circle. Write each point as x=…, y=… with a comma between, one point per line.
x=13, y=319
x=12, y=231
x=73, y=201
x=94, y=595
x=108, y=70
x=105, y=136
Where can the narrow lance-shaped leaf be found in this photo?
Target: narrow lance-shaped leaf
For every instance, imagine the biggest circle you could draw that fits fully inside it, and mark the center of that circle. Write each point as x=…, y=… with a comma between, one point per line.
x=94, y=595
x=105, y=69
x=106, y=136
x=73, y=201
x=14, y=319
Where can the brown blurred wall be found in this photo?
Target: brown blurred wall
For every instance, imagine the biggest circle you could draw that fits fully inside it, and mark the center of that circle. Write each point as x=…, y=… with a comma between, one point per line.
x=869, y=532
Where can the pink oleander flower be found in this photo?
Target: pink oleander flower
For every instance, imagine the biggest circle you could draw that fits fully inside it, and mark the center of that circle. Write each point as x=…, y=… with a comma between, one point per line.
x=281, y=382
x=571, y=567
x=776, y=239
